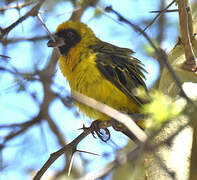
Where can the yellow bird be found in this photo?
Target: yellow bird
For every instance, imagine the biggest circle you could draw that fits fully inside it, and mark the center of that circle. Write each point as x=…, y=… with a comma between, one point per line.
x=102, y=71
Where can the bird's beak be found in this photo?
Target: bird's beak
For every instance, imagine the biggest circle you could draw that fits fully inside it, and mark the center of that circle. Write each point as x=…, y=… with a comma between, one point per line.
x=57, y=42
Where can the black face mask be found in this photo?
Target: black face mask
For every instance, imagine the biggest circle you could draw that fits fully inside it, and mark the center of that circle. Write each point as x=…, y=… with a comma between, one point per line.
x=64, y=40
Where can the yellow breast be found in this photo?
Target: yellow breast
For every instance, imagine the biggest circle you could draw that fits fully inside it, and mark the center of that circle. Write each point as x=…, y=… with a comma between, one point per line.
x=84, y=77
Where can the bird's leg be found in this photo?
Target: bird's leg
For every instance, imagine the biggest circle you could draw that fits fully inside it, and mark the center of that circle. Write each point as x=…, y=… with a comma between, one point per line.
x=116, y=125
x=121, y=127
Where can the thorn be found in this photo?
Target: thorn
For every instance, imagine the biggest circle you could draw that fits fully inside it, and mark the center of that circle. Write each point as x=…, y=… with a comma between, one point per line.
x=88, y=152
x=44, y=25
x=167, y=11
x=71, y=163
x=4, y=56
x=83, y=128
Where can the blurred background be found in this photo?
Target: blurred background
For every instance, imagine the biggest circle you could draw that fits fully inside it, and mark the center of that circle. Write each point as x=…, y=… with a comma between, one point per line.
x=37, y=116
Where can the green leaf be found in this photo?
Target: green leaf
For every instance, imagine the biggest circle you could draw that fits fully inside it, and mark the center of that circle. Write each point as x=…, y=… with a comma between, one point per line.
x=162, y=108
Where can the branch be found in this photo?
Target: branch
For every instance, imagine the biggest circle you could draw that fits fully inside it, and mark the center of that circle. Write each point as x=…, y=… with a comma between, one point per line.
x=114, y=114
x=19, y=39
x=17, y=6
x=33, y=12
x=28, y=76
x=23, y=127
x=71, y=147
x=189, y=14
x=81, y=7
x=186, y=36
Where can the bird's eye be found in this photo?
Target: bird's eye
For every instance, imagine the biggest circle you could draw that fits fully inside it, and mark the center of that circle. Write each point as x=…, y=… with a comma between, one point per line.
x=70, y=35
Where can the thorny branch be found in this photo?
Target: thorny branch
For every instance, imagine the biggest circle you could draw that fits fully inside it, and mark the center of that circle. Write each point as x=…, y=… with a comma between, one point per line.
x=69, y=148
x=144, y=145
x=72, y=147
x=132, y=154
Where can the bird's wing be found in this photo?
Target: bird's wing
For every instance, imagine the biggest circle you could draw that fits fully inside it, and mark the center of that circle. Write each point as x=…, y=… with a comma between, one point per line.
x=119, y=67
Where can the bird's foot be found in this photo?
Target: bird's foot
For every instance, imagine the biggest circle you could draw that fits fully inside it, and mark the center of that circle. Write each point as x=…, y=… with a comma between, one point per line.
x=116, y=125
x=122, y=128
x=100, y=128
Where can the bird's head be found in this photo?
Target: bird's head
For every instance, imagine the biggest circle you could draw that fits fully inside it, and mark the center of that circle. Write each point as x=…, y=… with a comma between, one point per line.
x=70, y=34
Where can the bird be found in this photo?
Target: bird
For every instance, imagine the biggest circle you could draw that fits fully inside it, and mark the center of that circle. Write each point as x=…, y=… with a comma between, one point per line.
x=99, y=70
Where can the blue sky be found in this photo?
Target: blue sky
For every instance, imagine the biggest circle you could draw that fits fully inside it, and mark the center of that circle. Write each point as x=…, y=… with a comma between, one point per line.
x=18, y=107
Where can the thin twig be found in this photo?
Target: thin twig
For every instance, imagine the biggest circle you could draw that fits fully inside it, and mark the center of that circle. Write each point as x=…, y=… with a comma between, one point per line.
x=45, y=27
x=42, y=22
x=28, y=76
x=19, y=39
x=167, y=11
x=24, y=127
x=158, y=15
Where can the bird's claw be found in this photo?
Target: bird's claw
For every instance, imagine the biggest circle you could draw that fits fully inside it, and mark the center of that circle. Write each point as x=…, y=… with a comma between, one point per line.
x=96, y=127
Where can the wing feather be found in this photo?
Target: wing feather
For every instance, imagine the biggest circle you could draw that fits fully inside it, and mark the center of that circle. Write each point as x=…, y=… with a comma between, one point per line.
x=120, y=68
